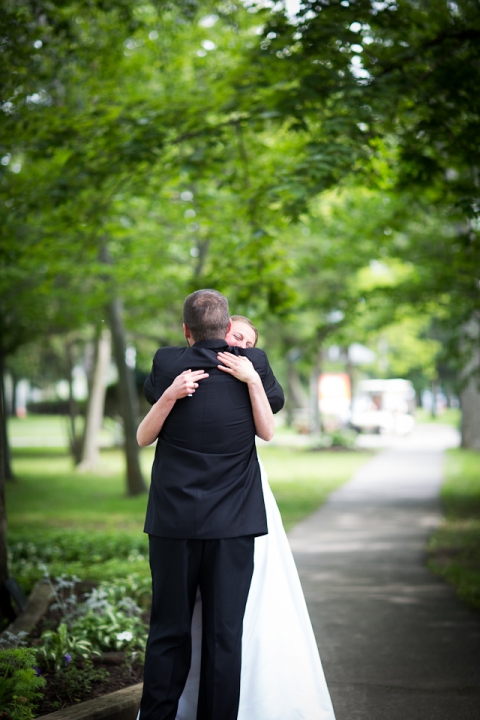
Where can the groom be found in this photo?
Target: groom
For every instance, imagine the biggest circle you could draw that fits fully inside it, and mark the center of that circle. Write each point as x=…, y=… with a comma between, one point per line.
x=204, y=510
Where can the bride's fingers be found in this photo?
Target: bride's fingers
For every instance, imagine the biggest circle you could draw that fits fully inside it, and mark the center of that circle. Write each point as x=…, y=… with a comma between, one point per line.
x=229, y=360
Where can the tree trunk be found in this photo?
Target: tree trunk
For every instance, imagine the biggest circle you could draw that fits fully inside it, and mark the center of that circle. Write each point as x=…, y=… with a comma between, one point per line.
x=296, y=396
x=6, y=609
x=350, y=370
x=128, y=400
x=433, y=409
x=470, y=393
x=72, y=407
x=470, y=404
x=96, y=401
x=13, y=404
x=6, y=454
x=315, y=421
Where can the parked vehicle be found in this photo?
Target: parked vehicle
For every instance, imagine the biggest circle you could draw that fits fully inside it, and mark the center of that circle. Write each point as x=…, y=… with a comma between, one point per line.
x=383, y=406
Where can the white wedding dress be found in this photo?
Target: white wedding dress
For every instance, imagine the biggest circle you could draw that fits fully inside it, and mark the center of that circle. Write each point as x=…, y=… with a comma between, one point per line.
x=282, y=676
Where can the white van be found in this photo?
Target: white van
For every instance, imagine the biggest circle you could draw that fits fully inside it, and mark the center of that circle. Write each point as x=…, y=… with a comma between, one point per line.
x=383, y=406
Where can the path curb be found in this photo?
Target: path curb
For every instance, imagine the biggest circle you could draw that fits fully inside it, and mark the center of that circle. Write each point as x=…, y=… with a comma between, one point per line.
x=120, y=705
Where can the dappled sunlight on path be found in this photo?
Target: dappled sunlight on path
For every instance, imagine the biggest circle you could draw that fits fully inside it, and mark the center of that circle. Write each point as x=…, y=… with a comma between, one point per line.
x=394, y=640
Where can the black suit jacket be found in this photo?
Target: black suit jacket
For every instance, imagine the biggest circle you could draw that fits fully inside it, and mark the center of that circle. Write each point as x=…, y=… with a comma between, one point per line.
x=205, y=478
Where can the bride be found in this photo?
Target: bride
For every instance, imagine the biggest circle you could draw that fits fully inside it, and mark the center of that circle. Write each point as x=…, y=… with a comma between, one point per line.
x=282, y=676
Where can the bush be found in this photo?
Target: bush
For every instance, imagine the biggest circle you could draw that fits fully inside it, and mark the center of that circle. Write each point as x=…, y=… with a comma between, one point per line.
x=20, y=683
x=344, y=438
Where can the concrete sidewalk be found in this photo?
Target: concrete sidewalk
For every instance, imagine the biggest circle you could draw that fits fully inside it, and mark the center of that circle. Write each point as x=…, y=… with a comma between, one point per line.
x=395, y=642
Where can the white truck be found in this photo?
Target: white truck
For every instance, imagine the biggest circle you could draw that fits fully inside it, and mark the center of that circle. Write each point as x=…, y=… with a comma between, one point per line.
x=383, y=406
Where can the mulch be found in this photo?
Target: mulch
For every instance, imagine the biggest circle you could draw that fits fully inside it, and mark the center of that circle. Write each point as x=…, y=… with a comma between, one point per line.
x=119, y=678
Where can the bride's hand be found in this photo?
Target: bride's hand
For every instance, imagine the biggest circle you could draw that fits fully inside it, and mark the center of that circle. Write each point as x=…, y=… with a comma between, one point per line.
x=239, y=366
x=185, y=384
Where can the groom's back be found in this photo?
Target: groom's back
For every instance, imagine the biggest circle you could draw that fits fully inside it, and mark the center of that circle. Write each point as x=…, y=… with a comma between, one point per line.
x=217, y=417
x=205, y=478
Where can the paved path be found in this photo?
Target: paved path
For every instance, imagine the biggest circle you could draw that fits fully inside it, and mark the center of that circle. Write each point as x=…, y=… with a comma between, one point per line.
x=395, y=642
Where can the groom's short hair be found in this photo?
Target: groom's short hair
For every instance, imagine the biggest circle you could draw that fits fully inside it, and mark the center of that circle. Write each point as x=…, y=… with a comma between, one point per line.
x=206, y=315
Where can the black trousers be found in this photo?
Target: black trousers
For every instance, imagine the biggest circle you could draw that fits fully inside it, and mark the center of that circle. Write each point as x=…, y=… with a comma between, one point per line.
x=223, y=570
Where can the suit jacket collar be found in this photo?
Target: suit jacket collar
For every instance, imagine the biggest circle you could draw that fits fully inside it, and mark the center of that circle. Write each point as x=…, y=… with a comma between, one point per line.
x=214, y=344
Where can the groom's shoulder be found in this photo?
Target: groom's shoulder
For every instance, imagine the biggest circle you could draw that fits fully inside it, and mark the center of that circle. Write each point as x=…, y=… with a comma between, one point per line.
x=257, y=356
x=251, y=353
x=169, y=352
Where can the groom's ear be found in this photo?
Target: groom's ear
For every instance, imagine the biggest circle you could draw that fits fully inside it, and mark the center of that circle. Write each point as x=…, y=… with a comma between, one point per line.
x=229, y=327
x=187, y=334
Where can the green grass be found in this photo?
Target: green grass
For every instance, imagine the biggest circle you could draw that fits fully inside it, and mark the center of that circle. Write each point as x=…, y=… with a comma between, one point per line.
x=38, y=430
x=53, y=509
x=84, y=524
x=454, y=549
x=50, y=493
x=450, y=416
x=45, y=431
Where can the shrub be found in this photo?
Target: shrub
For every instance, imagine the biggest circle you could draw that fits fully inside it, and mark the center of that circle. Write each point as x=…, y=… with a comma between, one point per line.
x=57, y=649
x=20, y=683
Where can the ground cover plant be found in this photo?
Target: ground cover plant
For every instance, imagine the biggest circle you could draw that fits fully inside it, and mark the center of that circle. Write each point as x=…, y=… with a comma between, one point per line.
x=74, y=655
x=454, y=549
x=91, y=554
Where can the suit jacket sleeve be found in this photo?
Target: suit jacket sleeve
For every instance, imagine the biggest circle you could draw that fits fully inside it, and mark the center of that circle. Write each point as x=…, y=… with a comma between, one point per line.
x=149, y=386
x=272, y=387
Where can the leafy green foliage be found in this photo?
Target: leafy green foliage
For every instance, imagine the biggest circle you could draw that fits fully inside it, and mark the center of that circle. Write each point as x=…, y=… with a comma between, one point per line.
x=394, y=81
x=110, y=618
x=112, y=629
x=20, y=684
x=57, y=649
x=99, y=554
x=70, y=545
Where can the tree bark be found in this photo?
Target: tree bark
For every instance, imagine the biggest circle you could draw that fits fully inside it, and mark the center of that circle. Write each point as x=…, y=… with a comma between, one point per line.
x=296, y=396
x=72, y=406
x=96, y=400
x=128, y=400
x=6, y=454
x=470, y=404
x=470, y=393
x=316, y=420
x=6, y=609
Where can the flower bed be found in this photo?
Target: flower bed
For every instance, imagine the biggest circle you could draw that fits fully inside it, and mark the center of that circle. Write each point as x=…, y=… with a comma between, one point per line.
x=88, y=644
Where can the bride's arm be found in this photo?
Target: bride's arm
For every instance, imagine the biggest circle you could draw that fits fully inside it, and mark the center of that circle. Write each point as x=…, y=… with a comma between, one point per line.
x=241, y=368
x=183, y=385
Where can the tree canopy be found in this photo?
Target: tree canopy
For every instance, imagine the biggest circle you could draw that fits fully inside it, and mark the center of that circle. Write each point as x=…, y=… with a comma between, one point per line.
x=276, y=158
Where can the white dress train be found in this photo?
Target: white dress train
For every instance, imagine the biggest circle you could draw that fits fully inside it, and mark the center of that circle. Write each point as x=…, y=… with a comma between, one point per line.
x=282, y=676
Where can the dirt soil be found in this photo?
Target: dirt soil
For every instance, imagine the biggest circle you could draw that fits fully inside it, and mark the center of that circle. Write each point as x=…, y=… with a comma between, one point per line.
x=119, y=677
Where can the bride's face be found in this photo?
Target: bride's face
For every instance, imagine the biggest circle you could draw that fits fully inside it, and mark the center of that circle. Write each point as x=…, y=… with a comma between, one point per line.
x=240, y=335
